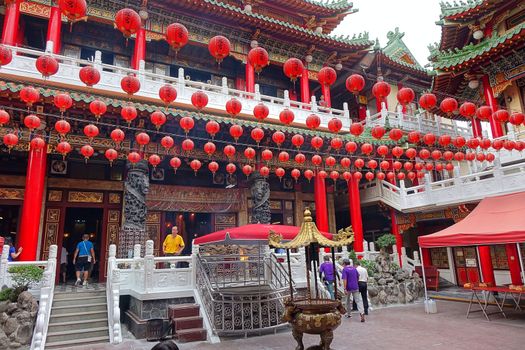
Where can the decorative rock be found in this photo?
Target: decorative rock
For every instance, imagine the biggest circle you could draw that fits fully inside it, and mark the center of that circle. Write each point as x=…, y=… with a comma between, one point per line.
x=11, y=308
x=10, y=326
x=24, y=333
x=3, y=306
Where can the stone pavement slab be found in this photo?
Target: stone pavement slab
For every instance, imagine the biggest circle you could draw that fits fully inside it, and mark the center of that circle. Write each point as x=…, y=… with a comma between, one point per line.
x=393, y=328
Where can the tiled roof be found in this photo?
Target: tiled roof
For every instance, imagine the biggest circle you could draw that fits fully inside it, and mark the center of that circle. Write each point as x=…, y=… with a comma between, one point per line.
x=339, y=5
x=396, y=50
x=454, y=8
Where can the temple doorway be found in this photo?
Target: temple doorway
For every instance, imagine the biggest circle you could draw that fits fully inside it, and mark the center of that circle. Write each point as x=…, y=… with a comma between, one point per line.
x=80, y=221
x=190, y=225
x=9, y=222
x=466, y=263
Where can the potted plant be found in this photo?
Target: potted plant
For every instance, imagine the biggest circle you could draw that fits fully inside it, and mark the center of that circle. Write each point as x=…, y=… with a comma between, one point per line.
x=385, y=242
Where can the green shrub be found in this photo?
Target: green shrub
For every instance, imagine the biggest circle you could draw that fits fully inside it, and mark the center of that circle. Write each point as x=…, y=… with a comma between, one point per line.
x=24, y=276
x=6, y=294
x=370, y=266
x=386, y=241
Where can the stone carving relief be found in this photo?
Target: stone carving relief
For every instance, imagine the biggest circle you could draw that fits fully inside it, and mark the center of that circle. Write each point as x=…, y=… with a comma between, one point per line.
x=260, y=193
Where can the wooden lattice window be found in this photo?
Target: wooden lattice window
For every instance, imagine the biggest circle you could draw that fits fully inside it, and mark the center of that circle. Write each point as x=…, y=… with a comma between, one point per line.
x=439, y=258
x=499, y=257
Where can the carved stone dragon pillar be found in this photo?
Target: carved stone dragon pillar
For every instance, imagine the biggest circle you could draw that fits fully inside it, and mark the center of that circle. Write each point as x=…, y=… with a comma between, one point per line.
x=260, y=191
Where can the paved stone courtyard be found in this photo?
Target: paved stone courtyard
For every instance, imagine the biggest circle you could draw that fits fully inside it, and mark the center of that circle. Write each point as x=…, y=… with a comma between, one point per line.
x=403, y=327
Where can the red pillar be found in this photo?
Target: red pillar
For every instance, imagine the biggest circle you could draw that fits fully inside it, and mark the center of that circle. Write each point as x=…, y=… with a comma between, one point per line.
x=325, y=89
x=250, y=77
x=426, y=257
x=239, y=84
x=54, y=28
x=11, y=20
x=321, y=210
x=362, y=112
x=354, y=204
x=476, y=128
x=32, y=207
x=305, y=86
x=139, y=52
x=397, y=234
x=487, y=270
x=495, y=126
x=514, y=263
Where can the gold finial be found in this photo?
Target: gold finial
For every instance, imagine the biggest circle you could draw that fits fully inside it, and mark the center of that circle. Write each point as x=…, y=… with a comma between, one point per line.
x=307, y=217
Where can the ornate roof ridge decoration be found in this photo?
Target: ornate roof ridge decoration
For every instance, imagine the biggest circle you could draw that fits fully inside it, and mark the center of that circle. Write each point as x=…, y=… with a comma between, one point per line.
x=396, y=50
x=466, y=9
x=452, y=57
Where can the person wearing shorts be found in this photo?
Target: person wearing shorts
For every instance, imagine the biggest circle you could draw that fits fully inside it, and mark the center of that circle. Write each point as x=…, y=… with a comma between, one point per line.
x=83, y=257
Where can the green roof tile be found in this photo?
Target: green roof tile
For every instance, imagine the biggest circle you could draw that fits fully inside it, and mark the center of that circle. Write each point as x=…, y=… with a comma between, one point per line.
x=454, y=8
x=396, y=48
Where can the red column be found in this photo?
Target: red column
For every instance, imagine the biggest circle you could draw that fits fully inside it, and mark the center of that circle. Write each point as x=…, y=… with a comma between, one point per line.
x=476, y=128
x=495, y=126
x=321, y=210
x=11, y=19
x=487, y=270
x=32, y=207
x=250, y=77
x=305, y=86
x=397, y=234
x=362, y=112
x=139, y=52
x=239, y=84
x=514, y=263
x=354, y=204
x=426, y=257
x=325, y=89
x=54, y=28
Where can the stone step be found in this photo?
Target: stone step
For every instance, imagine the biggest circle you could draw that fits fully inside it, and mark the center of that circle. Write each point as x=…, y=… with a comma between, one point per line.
x=79, y=309
x=81, y=324
x=84, y=301
x=190, y=335
x=66, y=344
x=78, y=334
x=75, y=316
x=79, y=294
x=182, y=323
x=183, y=310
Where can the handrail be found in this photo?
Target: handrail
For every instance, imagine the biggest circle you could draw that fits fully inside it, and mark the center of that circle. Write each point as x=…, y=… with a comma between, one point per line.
x=113, y=296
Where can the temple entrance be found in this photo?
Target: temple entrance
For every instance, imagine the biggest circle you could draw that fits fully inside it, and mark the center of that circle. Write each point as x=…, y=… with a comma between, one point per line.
x=191, y=226
x=466, y=263
x=9, y=222
x=80, y=221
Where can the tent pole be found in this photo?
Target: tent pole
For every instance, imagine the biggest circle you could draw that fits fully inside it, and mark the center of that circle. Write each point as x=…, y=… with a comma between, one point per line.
x=423, y=270
x=521, y=264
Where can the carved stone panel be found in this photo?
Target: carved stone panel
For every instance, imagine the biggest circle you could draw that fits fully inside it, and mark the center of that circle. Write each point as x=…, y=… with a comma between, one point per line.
x=260, y=193
x=51, y=228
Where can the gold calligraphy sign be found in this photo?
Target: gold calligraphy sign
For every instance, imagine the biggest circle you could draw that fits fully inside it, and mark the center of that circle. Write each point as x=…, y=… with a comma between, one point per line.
x=12, y=193
x=85, y=197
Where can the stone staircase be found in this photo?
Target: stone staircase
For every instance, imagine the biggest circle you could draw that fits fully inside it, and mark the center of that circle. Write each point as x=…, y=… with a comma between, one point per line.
x=78, y=317
x=187, y=323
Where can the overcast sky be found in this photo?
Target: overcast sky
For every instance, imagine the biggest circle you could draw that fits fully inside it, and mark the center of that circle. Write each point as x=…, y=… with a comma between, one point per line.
x=416, y=18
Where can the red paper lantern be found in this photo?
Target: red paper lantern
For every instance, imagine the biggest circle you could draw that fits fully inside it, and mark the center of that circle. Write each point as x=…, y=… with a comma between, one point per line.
x=127, y=21
x=167, y=93
x=128, y=113
x=449, y=167
x=347, y=176
x=247, y=170
x=397, y=165
x=117, y=136
x=490, y=157
x=231, y=168
x=459, y=156
x=439, y=167
x=195, y=165
x=62, y=101
x=158, y=119
x=448, y=105
x=313, y=121
x=509, y=145
x=384, y=165
x=47, y=65
x=350, y=147
x=427, y=101
x=408, y=166
x=236, y=132
x=284, y=157
x=199, y=100
x=336, y=143
x=424, y=153
x=334, y=175
x=330, y=161
x=233, y=107
x=74, y=10
x=229, y=151
x=357, y=176
x=377, y=132
x=6, y=56
x=405, y=96
x=87, y=151
x=401, y=176
x=317, y=160
x=4, y=117
x=300, y=158
x=63, y=148
x=130, y=84
x=448, y=156
x=322, y=174
x=219, y=47
x=501, y=116
x=286, y=116
x=317, y=142
x=516, y=118
x=485, y=143
x=266, y=155
x=111, y=155
x=257, y=134
x=98, y=108
x=380, y=90
x=142, y=138
x=372, y=164
x=167, y=142
x=497, y=144
x=367, y=148
x=480, y=157
x=213, y=167
x=175, y=163
x=297, y=140
x=187, y=145
x=293, y=68
x=436, y=154
x=369, y=176
x=445, y=140
x=186, y=123
x=395, y=134
x=62, y=127
x=212, y=128
x=258, y=58
x=429, y=166
x=429, y=139
x=397, y=151
x=470, y=156
x=296, y=173
x=176, y=35
x=261, y=111
x=32, y=122
x=467, y=110
x=280, y=172
x=355, y=83
x=411, y=153
x=519, y=146
x=29, y=95
x=473, y=143
x=89, y=75
x=380, y=176
x=345, y=162
x=335, y=125
x=484, y=113
x=356, y=129
x=359, y=163
x=278, y=137
x=459, y=141
x=264, y=171
x=308, y=174
x=382, y=150
x=154, y=160
x=209, y=148
x=327, y=76
x=414, y=137
x=249, y=153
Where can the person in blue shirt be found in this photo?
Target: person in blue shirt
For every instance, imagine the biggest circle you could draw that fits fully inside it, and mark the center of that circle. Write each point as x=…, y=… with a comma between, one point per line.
x=83, y=257
x=13, y=253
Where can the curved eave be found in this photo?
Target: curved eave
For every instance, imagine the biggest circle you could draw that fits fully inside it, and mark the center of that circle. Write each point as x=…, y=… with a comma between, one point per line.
x=405, y=67
x=467, y=13
x=314, y=7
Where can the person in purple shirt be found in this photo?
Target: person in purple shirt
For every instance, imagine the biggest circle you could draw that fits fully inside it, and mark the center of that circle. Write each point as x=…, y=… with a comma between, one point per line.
x=350, y=278
x=326, y=273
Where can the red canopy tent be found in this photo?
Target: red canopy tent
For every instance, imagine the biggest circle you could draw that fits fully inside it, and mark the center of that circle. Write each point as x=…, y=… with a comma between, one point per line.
x=250, y=234
x=496, y=220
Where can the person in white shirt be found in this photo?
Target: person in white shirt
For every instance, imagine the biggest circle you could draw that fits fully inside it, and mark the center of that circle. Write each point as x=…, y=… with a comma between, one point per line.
x=63, y=264
x=363, y=284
